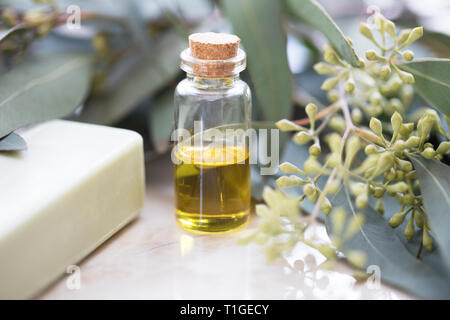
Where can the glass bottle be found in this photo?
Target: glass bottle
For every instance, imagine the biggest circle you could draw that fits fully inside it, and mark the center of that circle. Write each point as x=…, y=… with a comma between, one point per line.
x=211, y=152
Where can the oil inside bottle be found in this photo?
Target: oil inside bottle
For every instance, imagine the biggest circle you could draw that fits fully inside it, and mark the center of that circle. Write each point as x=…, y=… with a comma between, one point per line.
x=212, y=187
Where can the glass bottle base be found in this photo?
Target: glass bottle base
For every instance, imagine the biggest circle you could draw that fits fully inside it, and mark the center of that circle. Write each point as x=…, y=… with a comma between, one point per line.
x=212, y=224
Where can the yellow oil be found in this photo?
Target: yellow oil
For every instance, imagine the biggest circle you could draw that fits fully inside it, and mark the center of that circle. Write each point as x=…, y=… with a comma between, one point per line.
x=212, y=188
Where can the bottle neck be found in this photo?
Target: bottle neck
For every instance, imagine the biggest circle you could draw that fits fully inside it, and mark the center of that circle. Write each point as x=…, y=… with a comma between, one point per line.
x=212, y=83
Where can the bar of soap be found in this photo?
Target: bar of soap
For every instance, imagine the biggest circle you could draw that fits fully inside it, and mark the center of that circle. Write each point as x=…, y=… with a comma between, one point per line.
x=75, y=186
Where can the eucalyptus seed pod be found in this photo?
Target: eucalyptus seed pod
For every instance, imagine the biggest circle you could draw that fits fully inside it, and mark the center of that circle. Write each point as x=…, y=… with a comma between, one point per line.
x=427, y=241
x=301, y=137
x=385, y=162
x=311, y=110
x=399, y=146
x=379, y=207
x=334, y=142
x=314, y=150
x=408, y=199
x=428, y=145
x=396, y=105
x=313, y=197
x=396, y=121
x=397, y=219
x=351, y=149
x=419, y=219
x=362, y=200
x=332, y=95
x=330, y=83
x=356, y=115
x=403, y=35
x=443, y=147
x=405, y=165
x=415, y=34
x=290, y=181
x=410, y=230
x=397, y=187
x=376, y=98
x=334, y=186
x=412, y=142
x=365, y=31
x=325, y=205
x=408, y=55
x=372, y=55
x=312, y=166
x=390, y=29
x=369, y=163
x=406, y=130
x=428, y=153
x=376, y=127
x=325, y=68
x=333, y=160
x=370, y=149
x=399, y=175
x=309, y=189
x=385, y=71
x=406, y=94
x=392, y=86
x=390, y=175
x=406, y=77
x=288, y=167
x=358, y=188
x=337, y=123
x=349, y=86
x=287, y=125
x=378, y=192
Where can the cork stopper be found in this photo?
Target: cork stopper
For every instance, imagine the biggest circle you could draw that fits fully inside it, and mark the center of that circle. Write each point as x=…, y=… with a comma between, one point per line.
x=214, y=53
x=213, y=46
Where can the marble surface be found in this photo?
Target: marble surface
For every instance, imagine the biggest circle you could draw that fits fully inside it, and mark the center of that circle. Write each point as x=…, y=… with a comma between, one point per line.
x=153, y=259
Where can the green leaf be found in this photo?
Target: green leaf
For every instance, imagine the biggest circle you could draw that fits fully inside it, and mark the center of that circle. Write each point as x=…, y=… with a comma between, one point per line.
x=313, y=14
x=12, y=142
x=432, y=81
x=434, y=180
x=259, y=25
x=43, y=88
x=147, y=74
x=160, y=119
x=383, y=248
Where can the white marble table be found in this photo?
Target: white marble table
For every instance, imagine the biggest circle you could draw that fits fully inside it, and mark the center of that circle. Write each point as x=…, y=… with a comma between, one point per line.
x=153, y=259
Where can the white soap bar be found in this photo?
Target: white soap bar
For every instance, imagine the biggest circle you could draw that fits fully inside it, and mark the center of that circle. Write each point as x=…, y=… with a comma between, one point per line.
x=75, y=186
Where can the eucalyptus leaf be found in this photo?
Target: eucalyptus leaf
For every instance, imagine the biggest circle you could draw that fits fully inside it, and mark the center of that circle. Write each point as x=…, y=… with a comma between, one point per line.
x=315, y=15
x=12, y=142
x=432, y=81
x=258, y=23
x=146, y=74
x=434, y=180
x=383, y=248
x=43, y=88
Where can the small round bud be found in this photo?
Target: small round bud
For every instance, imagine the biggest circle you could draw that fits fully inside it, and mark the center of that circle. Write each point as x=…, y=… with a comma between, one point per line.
x=314, y=150
x=337, y=123
x=428, y=153
x=399, y=175
x=370, y=149
x=334, y=186
x=385, y=71
x=406, y=129
x=376, y=98
x=398, y=187
x=356, y=115
x=311, y=110
x=312, y=166
x=396, y=121
x=390, y=175
x=301, y=137
x=349, y=86
x=396, y=105
x=408, y=55
x=404, y=165
x=415, y=34
x=378, y=192
x=407, y=199
x=386, y=161
x=406, y=77
x=419, y=219
x=330, y=55
x=399, y=146
x=334, y=142
x=309, y=189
